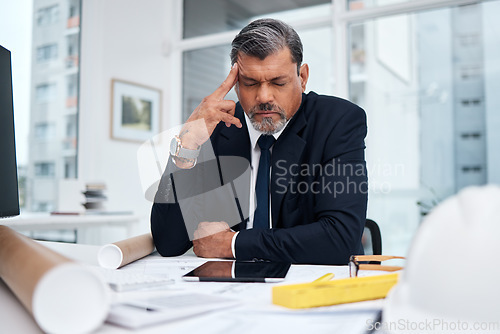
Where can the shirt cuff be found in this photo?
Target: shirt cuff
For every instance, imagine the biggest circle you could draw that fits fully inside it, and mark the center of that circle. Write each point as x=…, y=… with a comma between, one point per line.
x=233, y=241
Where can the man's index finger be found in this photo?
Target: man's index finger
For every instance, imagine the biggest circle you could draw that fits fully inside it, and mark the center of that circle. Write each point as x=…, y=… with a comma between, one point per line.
x=228, y=83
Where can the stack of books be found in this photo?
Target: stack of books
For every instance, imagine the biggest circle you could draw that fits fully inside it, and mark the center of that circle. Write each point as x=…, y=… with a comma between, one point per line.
x=94, y=196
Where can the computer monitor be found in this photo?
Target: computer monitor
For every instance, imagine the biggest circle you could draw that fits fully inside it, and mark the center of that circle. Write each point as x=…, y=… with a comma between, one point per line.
x=9, y=192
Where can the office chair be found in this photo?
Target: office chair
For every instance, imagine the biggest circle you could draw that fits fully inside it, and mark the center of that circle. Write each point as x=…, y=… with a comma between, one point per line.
x=372, y=239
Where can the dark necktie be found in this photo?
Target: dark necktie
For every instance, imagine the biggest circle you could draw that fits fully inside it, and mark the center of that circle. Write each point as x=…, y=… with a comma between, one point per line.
x=261, y=217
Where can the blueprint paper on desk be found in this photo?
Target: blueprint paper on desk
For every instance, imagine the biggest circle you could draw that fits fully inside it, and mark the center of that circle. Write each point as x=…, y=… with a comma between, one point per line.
x=145, y=312
x=173, y=268
x=328, y=320
x=254, y=299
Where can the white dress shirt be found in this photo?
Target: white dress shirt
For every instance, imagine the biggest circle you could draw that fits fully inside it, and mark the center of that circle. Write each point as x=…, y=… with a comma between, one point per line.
x=254, y=167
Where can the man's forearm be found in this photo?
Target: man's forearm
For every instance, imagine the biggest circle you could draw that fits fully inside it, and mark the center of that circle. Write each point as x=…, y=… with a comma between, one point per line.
x=168, y=230
x=324, y=242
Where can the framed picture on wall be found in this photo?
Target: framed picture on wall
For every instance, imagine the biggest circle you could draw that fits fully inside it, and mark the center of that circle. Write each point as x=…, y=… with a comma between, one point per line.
x=135, y=111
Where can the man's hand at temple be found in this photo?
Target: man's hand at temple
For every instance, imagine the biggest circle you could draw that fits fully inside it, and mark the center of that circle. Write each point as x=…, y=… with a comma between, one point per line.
x=213, y=239
x=213, y=109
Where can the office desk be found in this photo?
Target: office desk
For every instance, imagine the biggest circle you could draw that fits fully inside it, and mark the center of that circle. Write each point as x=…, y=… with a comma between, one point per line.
x=80, y=223
x=255, y=314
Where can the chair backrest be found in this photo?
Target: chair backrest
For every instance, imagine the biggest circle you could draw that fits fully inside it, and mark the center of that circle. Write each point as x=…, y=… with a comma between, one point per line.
x=372, y=239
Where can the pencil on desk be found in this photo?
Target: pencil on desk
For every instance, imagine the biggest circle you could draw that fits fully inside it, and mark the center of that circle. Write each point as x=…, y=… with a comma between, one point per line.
x=324, y=278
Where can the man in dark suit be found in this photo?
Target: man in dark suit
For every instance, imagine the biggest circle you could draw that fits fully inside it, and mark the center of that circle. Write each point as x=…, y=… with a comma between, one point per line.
x=307, y=188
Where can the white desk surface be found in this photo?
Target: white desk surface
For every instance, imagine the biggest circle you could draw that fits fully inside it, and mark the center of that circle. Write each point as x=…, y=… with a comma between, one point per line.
x=48, y=222
x=256, y=313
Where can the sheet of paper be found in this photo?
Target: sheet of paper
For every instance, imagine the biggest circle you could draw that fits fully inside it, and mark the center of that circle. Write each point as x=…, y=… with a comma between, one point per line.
x=255, y=299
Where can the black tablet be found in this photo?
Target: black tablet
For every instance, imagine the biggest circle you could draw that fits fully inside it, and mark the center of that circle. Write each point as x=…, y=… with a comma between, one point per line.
x=236, y=271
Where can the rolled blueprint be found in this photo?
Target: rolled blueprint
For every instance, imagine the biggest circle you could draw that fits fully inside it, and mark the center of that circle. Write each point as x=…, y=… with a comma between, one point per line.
x=62, y=296
x=121, y=253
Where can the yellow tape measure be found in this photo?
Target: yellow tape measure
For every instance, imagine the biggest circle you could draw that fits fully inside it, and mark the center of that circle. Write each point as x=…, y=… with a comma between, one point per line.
x=324, y=293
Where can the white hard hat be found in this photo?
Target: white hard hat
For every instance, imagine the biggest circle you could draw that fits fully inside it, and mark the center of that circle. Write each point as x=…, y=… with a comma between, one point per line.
x=451, y=281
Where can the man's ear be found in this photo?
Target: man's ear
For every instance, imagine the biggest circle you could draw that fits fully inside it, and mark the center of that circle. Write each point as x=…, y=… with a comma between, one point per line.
x=304, y=75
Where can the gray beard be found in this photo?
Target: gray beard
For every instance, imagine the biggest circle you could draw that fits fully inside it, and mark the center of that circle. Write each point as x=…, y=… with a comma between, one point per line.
x=267, y=126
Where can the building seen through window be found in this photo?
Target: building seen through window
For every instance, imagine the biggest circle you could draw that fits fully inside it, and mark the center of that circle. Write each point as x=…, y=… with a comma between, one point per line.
x=54, y=109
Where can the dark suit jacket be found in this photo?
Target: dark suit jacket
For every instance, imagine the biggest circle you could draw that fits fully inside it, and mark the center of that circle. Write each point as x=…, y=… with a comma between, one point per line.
x=318, y=188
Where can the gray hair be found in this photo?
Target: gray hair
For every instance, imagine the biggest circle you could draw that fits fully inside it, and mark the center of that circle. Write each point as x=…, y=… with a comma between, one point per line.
x=264, y=37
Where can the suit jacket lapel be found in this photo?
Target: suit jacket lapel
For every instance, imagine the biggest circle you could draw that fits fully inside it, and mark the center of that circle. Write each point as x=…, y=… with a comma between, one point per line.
x=286, y=152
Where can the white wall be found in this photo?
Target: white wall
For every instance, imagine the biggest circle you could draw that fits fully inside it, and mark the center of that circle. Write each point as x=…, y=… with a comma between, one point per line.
x=121, y=39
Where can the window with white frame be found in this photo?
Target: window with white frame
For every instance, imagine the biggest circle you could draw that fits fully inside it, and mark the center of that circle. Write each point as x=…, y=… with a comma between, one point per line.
x=47, y=15
x=45, y=169
x=44, y=130
x=422, y=76
x=205, y=68
x=46, y=52
x=45, y=92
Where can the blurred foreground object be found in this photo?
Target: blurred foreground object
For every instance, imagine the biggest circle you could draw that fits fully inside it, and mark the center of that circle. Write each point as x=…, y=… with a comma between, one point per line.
x=62, y=296
x=451, y=281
